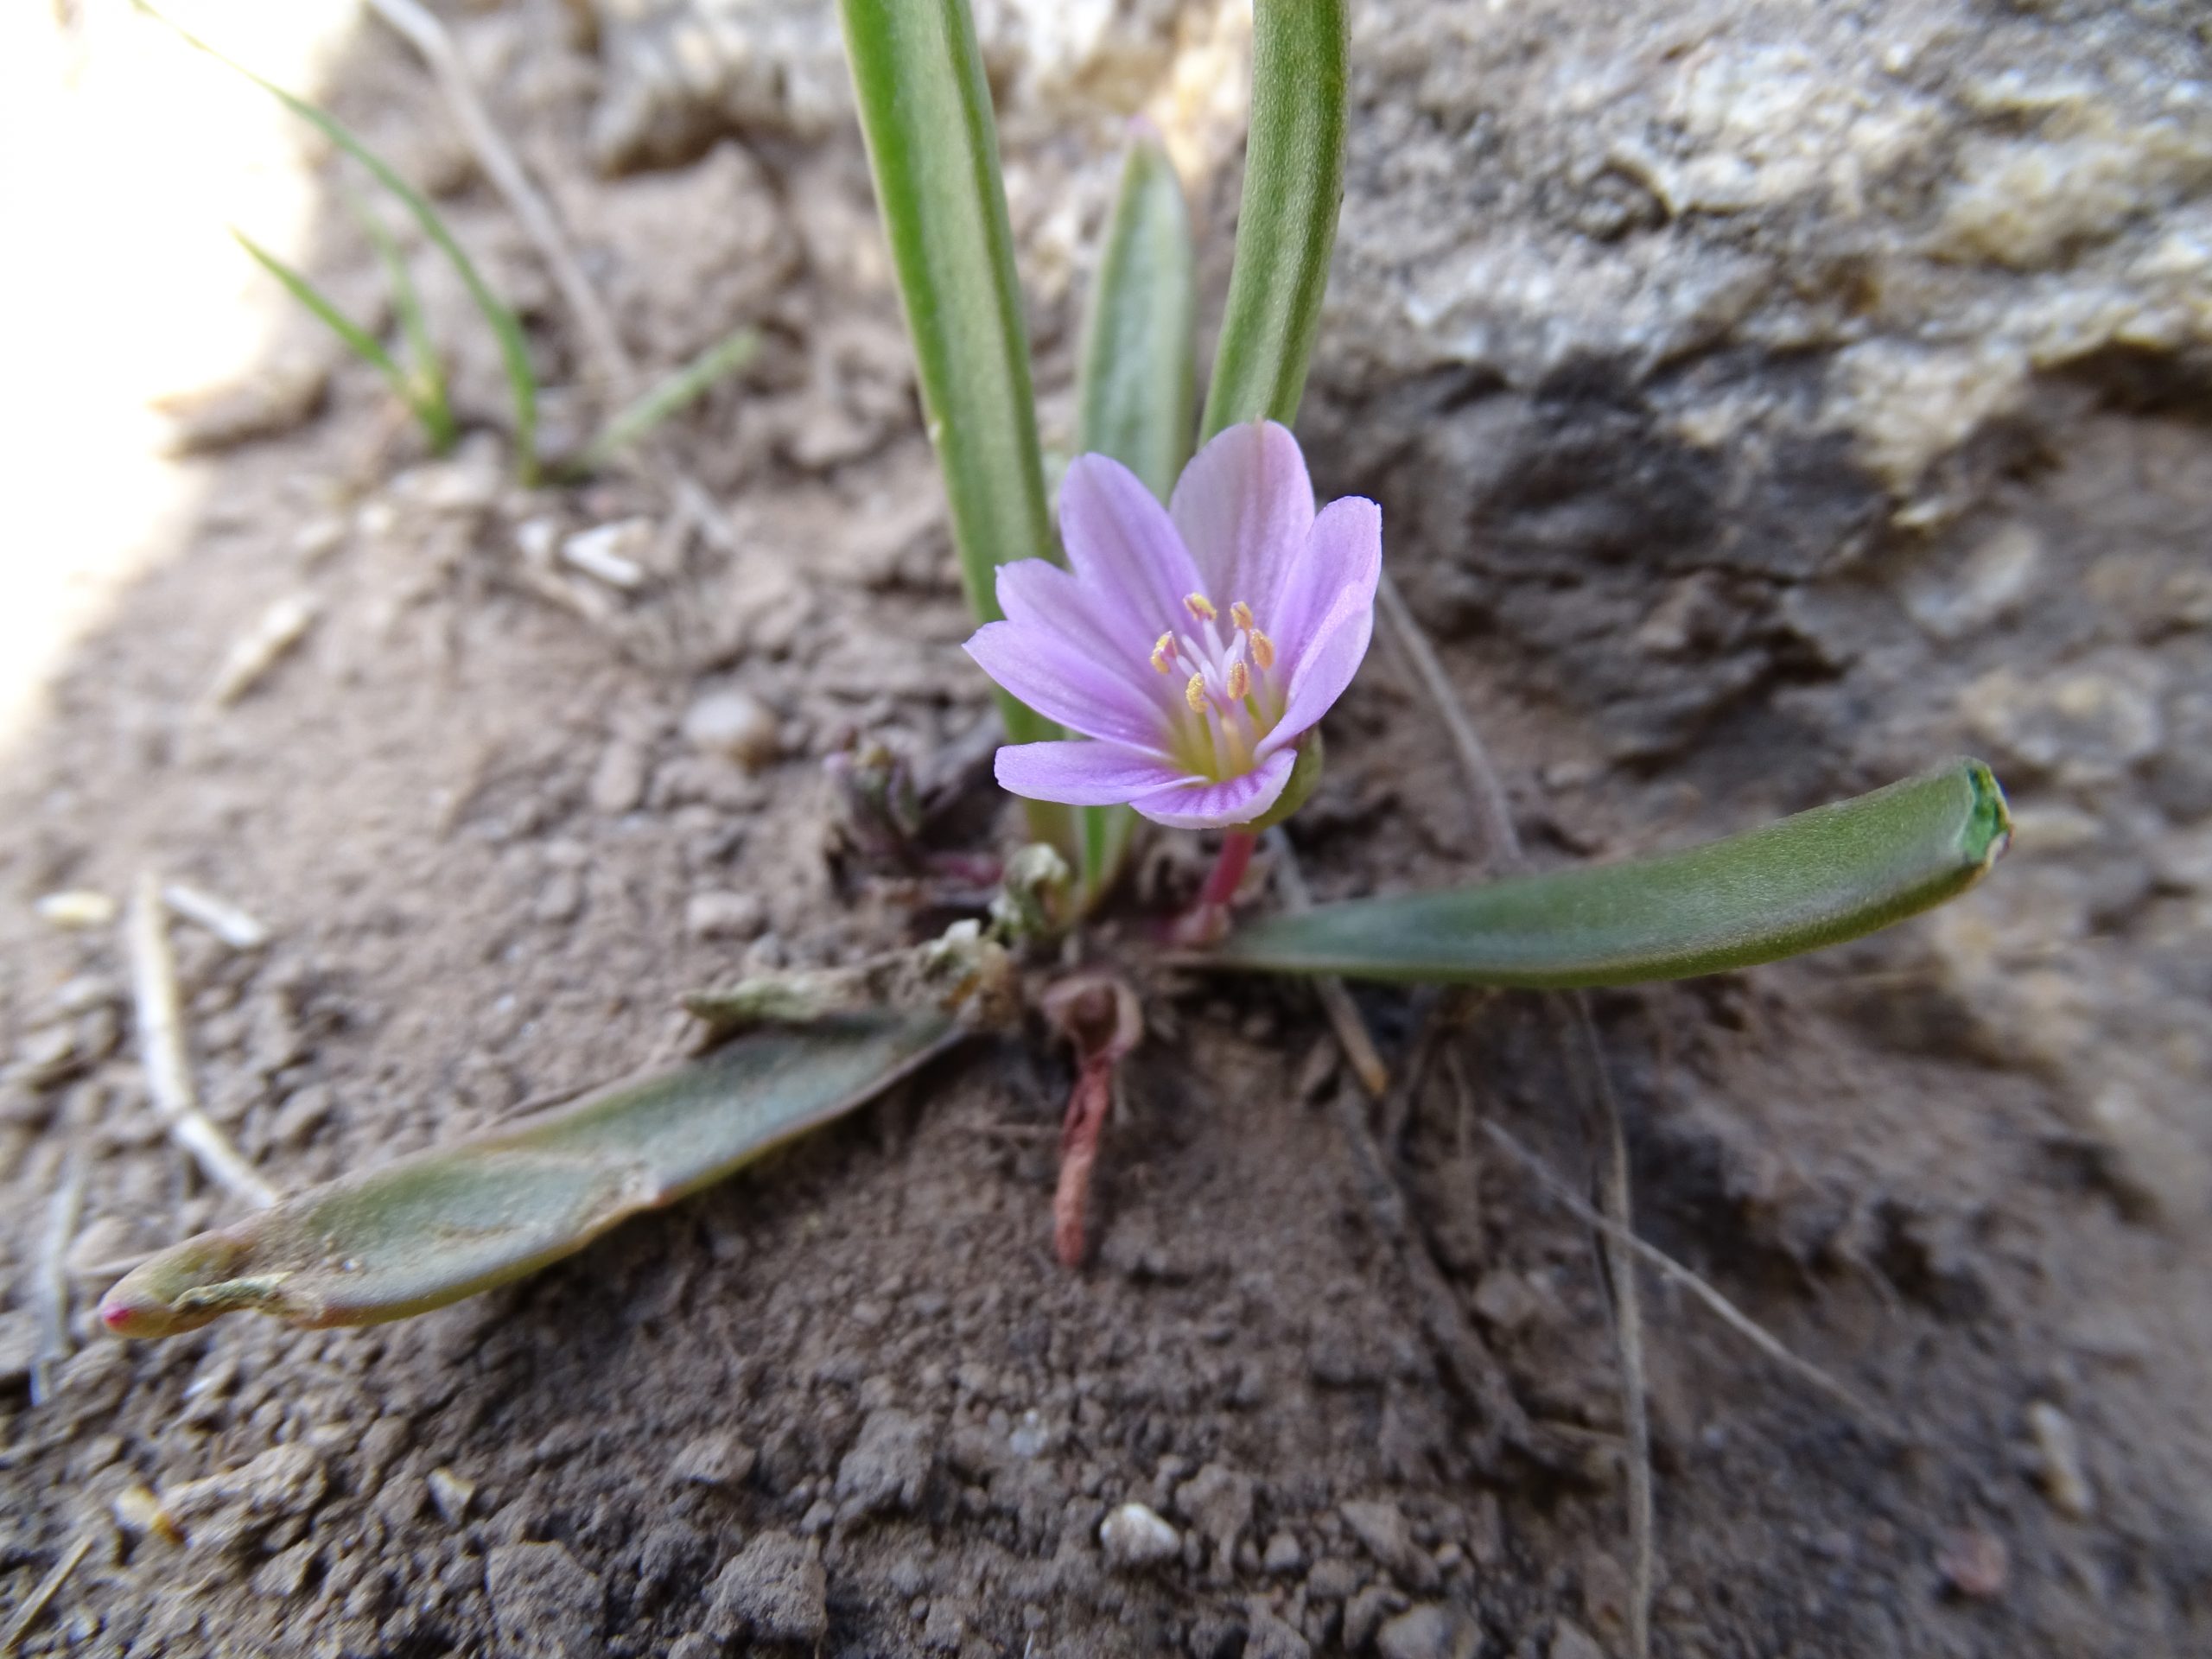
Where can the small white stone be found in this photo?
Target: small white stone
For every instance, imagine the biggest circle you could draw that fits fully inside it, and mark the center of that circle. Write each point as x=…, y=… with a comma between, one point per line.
x=1135, y=1537
x=719, y=914
x=737, y=724
x=76, y=907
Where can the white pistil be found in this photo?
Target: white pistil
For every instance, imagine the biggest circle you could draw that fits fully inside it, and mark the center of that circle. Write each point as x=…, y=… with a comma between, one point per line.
x=1228, y=686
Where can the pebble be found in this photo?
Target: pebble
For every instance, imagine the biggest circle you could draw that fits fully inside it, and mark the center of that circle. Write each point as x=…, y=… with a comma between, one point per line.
x=1333, y=1579
x=716, y=1458
x=1381, y=1527
x=224, y=1510
x=545, y=1604
x=774, y=1590
x=450, y=1494
x=559, y=899
x=719, y=913
x=1282, y=1555
x=1268, y=1637
x=888, y=1466
x=1219, y=1501
x=1976, y=1563
x=284, y=1575
x=735, y=724
x=1367, y=1612
x=1135, y=1537
x=1571, y=1641
x=1431, y=1630
x=2086, y=727
x=618, y=782
x=1505, y=1300
x=2058, y=1456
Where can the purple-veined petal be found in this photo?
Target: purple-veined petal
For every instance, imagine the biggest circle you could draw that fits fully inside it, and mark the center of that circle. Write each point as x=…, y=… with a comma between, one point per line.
x=1064, y=683
x=1331, y=657
x=1081, y=774
x=1343, y=551
x=1198, y=804
x=1126, y=551
x=1244, y=505
x=1043, y=599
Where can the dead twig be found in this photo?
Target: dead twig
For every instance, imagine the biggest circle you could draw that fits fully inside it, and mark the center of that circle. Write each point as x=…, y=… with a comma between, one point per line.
x=26, y=1614
x=1586, y=1065
x=51, y=1288
x=161, y=1050
x=226, y=921
x=1336, y=1002
x=1729, y=1314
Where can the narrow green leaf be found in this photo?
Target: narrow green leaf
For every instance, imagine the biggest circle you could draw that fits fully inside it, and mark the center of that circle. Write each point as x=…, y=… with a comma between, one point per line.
x=1813, y=879
x=1287, y=223
x=426, y=369
x=926, y=111
x=1136, y=382
x=357, y=340
x=429, y=1229
x=667, y=397
x=514, y=351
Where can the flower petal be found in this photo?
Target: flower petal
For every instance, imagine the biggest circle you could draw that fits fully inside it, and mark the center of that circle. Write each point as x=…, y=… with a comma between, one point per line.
x=1200, y=804
x=1126, y=551
x=1043, y=599
x=1244, y=505
x=1064, y=681
x=1341, y=551
x=1080, y=774
x=1327, y=668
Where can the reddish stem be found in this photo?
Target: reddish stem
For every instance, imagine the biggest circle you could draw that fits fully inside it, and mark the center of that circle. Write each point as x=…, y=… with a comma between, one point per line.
x=1207, y=919
x=1079, y=1133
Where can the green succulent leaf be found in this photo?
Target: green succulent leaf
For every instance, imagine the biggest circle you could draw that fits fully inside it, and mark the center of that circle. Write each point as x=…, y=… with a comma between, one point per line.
x=1816, y=878
x=1287, y=223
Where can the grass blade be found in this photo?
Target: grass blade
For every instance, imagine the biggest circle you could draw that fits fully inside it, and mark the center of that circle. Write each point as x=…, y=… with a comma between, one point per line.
x=1816, y=878
x=514, y=351
x=426, y=369
x=1287, y=223
x=1136, y=382
x=668, y=396
x=357, y=340
x=430, y=1229
x=926, y=111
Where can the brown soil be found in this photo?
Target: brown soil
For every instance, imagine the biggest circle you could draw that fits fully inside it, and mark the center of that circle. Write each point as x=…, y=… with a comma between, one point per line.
x=855, y=1385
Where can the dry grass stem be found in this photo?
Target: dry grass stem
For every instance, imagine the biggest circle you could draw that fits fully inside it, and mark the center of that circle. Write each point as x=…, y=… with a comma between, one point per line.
x=26, y=1614
x=226, y=921
x=1336, y=1002
x=1586, y=1065
x=160, y=1022
x=50, y=1289
x=274, y=633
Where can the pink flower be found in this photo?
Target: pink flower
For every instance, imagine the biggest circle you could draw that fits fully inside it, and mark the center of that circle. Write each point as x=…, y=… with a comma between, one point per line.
x=1195, y=646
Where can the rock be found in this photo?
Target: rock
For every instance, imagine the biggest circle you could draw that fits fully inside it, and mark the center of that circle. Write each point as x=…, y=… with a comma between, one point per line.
x=1995, y=578
x=618, y=782
x=1268, y=1637
x=1367, y=1612
x=224, y=1510
x=546, y=1604
x=1429, y=1632
x=559, y=898
x=1332, y=1579
x=888, y=1466
x=2058, y=1461
x=1975, y=1563
x=1382, y=1528
x=1505, y=1300
x=2086, y=726
x=717, y=1458
x=774, y=1590
x=1571, y=1641
x=1135, y=1537
x=718, y=914
x=1219, y=1501
x=284, y=1575
x=735, y=725
x=1282, y=1555
x=450, y=1494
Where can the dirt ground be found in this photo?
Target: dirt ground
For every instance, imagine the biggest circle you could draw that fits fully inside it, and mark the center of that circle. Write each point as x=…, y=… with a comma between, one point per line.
x=850, y=1402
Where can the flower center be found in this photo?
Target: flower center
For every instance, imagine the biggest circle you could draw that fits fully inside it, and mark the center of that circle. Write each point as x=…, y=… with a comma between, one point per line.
x=1231, y=697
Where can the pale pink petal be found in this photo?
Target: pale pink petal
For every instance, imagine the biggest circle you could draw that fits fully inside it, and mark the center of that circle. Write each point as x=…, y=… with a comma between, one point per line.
x=1244, y=505
x=1042, y=599
x=1342, y=552
x=1197, y=803
x=1064, y=683
x=1331, y=657
x=1080, y=774
x=1126, y=551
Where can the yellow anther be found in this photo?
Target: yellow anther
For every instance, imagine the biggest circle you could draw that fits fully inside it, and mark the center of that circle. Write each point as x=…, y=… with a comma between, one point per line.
x=1240, y=682
x=1263, y=649
x=1195, y=694
x=1199, y=605
x=1241, y=614
x=1161, y=655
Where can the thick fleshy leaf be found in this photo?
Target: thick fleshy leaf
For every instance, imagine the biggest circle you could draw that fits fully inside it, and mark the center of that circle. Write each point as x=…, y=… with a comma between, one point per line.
x=1064, y=684
x=431, y=1229
x=1082, y=774
x=1821, y=877
x=1128, y=551
x=1245, y=506
x=1199, y=805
